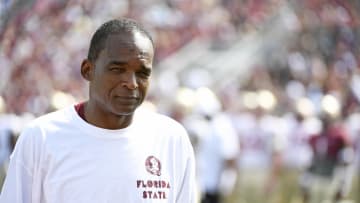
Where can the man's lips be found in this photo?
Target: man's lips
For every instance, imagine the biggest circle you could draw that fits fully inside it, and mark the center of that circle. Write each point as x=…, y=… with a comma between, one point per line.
x=127, y=99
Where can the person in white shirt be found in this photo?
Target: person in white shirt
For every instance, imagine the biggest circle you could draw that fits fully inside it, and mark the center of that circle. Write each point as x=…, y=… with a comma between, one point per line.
x=218, y=150
x=106, y=149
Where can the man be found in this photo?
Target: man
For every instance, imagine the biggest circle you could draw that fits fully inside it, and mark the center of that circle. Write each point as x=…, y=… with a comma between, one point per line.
x=103, y=150
x=328, y=176
x=217, y=151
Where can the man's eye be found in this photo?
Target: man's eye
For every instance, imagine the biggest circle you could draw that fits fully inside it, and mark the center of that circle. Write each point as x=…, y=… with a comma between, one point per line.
x=115, y=69
x=144, y=74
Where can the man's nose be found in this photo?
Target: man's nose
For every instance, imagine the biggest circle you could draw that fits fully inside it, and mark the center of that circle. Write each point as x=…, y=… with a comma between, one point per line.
x=130, y=81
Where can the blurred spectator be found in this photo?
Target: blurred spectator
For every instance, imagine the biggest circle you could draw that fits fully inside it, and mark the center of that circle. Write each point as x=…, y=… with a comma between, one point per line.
x=327, y=178
x=215, y=141
x=217, y=148
x=261, y=145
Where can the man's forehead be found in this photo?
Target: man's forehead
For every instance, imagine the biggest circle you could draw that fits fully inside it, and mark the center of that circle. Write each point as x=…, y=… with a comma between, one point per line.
x=129, y=43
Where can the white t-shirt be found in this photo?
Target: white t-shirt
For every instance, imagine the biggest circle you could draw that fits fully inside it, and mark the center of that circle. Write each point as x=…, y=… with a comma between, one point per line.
x=60, y=158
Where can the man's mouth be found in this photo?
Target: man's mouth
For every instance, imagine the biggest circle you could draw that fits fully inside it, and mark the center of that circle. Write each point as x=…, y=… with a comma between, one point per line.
x=127, y=99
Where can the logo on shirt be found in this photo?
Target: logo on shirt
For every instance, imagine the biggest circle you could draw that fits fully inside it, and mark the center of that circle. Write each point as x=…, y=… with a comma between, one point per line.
x=155, y=188
x=153, y=165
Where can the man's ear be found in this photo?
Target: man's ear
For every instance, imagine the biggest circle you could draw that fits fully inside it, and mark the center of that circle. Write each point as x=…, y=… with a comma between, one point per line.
x=87, y=69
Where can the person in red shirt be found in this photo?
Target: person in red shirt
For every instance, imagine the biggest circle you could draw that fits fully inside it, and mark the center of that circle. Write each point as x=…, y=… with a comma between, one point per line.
x=327, y=177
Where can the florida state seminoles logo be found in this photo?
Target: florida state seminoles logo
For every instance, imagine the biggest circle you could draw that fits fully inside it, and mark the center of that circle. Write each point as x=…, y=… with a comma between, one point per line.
x=153, y=165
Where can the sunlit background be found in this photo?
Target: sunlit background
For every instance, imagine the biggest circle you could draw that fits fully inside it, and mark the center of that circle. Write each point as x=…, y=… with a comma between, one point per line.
x=266, y=71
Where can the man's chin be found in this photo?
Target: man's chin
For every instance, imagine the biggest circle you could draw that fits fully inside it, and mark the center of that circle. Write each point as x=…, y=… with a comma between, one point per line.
x=124, y=111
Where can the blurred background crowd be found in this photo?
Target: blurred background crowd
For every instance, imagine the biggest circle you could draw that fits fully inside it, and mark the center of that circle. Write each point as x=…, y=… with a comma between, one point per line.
x=268, y=90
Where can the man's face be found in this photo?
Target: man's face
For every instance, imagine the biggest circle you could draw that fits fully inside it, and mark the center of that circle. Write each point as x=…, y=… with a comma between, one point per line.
x=122, y=72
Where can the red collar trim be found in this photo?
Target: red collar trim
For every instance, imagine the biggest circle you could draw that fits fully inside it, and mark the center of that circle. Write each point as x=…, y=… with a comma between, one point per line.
x=80, y=109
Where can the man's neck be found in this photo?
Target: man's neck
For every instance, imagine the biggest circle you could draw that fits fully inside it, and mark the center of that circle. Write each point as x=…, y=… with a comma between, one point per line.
x=105, y=119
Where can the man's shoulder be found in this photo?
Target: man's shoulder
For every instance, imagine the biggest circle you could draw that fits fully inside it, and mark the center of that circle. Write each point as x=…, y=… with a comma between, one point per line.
x=58, y=116
x=37, y=130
